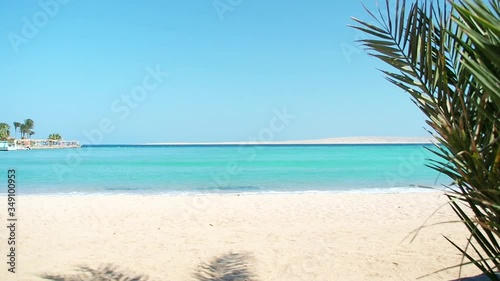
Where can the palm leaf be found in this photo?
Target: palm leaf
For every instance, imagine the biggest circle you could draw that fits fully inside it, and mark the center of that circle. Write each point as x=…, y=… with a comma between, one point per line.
x=446, y=56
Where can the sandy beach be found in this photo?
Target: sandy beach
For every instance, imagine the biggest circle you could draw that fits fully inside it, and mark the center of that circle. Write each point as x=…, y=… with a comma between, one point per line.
x=345, y=236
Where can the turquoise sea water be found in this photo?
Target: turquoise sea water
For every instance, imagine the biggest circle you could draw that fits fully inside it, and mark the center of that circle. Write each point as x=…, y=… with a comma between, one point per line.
x=220, y=169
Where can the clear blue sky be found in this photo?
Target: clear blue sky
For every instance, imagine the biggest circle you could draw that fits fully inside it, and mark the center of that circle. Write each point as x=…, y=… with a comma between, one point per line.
x=67, y=67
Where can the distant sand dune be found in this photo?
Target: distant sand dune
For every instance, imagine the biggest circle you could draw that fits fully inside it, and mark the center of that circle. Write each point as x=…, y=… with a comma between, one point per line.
x=342, y=140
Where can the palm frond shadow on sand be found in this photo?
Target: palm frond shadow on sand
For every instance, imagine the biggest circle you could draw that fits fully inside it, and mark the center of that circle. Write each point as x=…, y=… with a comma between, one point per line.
x=107, y=272
x=228, y=267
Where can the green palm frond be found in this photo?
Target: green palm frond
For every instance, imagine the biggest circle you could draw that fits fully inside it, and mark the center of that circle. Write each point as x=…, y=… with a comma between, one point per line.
x=447, y=57
x=481, y=23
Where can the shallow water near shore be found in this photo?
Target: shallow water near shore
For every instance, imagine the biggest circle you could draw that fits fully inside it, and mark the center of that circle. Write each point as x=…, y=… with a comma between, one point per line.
x=136, y=169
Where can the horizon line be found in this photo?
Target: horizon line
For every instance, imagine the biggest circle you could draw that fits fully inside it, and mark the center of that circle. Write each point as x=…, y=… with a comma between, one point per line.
x=325, y=141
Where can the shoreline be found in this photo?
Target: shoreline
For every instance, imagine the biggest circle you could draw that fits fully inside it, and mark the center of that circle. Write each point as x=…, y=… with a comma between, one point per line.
x=374, y=191
x=51, y=147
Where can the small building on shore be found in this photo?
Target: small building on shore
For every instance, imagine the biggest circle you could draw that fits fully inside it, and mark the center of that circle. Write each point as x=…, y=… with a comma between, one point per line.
x=42, y=144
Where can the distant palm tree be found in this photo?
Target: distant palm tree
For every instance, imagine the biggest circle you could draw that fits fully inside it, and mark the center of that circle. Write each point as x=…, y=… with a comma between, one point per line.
x=4, y=131
x=28, y=127
x=24, y=130
x=17, y=125
x=55, y=137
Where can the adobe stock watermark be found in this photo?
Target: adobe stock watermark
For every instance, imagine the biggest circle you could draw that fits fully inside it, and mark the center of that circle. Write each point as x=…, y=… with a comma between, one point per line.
x=247, y=153
x=350, y=49
x=280, y=120
x=225, y=6
x=303, y=263
x=406, y=168
x=121, y=109
x=32, y=25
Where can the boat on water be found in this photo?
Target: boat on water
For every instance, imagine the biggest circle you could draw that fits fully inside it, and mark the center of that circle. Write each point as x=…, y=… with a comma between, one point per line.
x=8, y=146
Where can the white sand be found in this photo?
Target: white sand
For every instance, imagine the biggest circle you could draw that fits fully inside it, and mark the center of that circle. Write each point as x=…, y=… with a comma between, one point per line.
x=285, y=237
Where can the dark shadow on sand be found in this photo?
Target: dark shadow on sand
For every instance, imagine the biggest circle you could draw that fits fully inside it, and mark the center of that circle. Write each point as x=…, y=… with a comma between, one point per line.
x=228, y=267
x=107, y=272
